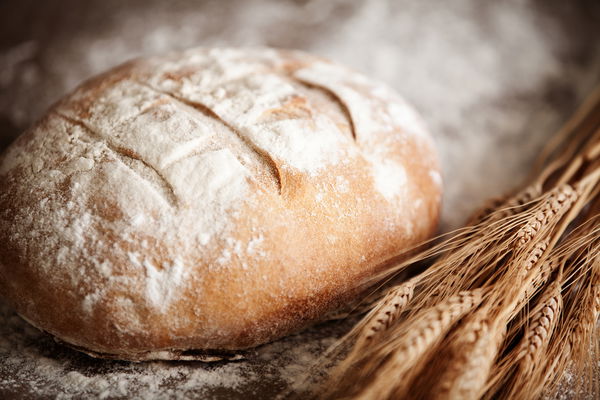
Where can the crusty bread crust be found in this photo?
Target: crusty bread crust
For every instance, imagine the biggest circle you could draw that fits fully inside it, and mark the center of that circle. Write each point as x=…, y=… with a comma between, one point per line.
x=215, y=199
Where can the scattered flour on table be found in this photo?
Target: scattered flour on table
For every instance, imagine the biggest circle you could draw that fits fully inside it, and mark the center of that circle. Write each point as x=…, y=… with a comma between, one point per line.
x=32, y=363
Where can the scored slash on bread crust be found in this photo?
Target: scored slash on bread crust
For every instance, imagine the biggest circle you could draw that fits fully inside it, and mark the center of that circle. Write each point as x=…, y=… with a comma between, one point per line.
x=214, y=199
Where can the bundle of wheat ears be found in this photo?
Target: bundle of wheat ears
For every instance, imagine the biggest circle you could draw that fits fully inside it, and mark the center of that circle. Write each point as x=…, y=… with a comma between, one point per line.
x=509, y=303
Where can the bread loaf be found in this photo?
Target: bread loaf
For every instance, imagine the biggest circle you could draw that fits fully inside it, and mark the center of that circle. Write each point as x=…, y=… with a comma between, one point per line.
x=209, y=200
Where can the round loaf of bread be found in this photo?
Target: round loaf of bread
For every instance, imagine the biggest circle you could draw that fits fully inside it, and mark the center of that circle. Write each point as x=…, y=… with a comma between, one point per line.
x=210, y=200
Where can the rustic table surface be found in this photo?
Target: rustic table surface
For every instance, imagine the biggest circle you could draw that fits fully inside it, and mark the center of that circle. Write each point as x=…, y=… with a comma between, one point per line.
x=493, y=80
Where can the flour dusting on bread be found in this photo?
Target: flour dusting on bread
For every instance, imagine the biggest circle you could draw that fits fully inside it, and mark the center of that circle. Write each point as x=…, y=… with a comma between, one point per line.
x=211, y=199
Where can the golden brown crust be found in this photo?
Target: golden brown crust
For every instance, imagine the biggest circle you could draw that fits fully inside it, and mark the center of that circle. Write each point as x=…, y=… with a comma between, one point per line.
x=214, y=199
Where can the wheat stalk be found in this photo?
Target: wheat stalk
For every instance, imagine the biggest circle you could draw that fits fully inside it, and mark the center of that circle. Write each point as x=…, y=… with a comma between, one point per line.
x=466, y=359
x=387, y=311
x=542, y=325
x=505, y=207
x=539, y=273
x=469, y=354
x=376, y=322
x=513, y=376
x=409, y=346
x=574, y=345
x=559, y=201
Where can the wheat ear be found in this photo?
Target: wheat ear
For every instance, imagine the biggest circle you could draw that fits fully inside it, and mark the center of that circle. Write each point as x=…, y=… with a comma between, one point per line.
x=371, y=326
x=387, y=311
x=528, y=355
x=575, y=348
x=509, y=255
x=506, y=207
x=541, y=328
x=559, y=201
x=400, y=353
x=466, y=358
x=575, y=339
